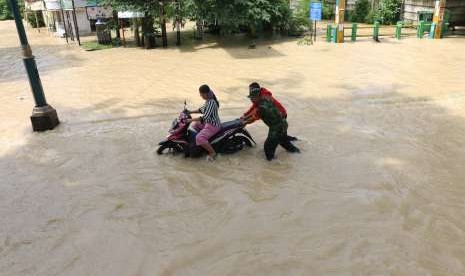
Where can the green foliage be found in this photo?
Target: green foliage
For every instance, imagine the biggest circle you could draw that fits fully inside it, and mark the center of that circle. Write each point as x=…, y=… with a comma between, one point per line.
x=299, y=21
x=328, y=12
x=95, y=46
x=5, y=12
x=251, y=13
x=31, y=19
x=306, y=40
x=388, y=11
x=228, y=15
x=370, y=18
x=360, y=13
x=152, y=7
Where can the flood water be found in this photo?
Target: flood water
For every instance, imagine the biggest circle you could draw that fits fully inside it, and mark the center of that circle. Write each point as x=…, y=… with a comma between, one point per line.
x=378, y=189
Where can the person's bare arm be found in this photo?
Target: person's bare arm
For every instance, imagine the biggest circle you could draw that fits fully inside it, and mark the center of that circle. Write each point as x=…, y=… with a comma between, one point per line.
x=198, y=119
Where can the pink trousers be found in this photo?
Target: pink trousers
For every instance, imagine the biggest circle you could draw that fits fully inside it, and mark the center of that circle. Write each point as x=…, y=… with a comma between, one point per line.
x=206, y=131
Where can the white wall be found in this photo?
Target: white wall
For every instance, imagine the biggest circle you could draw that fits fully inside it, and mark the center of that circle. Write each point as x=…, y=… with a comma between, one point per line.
x=83, y=22
x=81, y=18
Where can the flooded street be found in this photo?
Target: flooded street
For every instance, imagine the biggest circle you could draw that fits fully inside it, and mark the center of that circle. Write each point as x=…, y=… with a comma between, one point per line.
x=378, y=189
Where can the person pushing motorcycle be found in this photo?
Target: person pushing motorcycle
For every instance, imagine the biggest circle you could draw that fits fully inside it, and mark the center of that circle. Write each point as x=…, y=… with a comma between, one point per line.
x=264, y=108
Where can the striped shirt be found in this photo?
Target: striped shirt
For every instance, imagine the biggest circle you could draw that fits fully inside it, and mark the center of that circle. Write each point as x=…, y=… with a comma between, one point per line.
x=210, y=113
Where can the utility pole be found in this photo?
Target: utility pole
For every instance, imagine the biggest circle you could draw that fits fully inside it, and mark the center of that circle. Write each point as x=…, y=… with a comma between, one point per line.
x=44, y=117
x=438, y=18
x=76, y=27
x=64, y=22
x=340, y=11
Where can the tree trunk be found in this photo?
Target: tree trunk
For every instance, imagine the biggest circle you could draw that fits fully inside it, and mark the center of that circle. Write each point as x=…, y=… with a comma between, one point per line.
x=136, y=32
x=163, y=25
x=199, y=34
x=253, y=31
x=178, y=24
x=178, y=33
x=115, y=17
x=37, y=21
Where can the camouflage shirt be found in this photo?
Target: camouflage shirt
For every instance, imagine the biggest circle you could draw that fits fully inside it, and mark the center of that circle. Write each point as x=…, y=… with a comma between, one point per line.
x=270, y=114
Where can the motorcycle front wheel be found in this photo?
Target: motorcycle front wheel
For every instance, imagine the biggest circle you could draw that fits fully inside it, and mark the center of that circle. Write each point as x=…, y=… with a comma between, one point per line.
x=175, y=147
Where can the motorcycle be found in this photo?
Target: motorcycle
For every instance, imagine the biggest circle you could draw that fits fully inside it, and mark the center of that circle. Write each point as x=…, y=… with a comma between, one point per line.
x=232, y=137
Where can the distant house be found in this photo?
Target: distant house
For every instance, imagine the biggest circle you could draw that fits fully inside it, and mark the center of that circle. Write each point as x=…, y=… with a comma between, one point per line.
x=62, y=17
x=34, y=7
x=414, y=10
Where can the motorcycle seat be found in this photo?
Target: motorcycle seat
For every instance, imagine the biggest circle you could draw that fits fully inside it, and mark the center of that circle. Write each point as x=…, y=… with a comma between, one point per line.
x=230, y=125
x=225, y=127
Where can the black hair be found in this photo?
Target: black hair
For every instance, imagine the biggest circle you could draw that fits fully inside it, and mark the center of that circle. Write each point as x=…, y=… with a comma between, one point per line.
x=254, y=85
x=205, y=89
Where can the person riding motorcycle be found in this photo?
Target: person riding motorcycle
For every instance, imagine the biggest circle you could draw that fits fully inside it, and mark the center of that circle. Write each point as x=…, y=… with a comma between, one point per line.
x=209, y=123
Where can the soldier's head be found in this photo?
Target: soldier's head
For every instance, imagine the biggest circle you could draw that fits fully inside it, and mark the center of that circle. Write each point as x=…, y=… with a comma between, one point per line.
x=254, y=92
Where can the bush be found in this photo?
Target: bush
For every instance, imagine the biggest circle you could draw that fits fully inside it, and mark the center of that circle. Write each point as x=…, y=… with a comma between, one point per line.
x=360, y=13
x=370, y=18
x=306, y=40
x=298, y=25
x=388, y=11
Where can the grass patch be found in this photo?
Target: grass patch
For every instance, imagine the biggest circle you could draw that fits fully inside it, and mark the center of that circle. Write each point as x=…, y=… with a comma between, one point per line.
x=119, y=206
x=94, y=46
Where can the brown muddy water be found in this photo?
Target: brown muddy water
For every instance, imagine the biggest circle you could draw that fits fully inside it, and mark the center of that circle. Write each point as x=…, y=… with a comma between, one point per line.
x=378, y=189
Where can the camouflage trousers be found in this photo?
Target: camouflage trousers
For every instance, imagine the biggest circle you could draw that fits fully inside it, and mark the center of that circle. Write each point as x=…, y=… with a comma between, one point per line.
x=277, y=135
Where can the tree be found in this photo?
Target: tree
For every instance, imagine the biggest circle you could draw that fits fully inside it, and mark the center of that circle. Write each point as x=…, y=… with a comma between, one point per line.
x=226, y=16
x=151, y=8
x=203, y=12
x=360, y=13
x=232, y=15
x=5, y=11
x=388, y=11
x=300, y=21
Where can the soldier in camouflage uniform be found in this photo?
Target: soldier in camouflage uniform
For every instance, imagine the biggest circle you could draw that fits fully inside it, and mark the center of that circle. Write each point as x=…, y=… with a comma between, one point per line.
x=273, y=118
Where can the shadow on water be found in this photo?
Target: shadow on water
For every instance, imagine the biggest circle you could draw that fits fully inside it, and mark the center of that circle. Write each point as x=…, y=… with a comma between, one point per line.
x=235, y=45
x=67, y=192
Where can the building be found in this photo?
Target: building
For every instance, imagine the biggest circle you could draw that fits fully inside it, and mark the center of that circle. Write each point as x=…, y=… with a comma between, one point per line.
x=67, y=18
x=415, y=10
